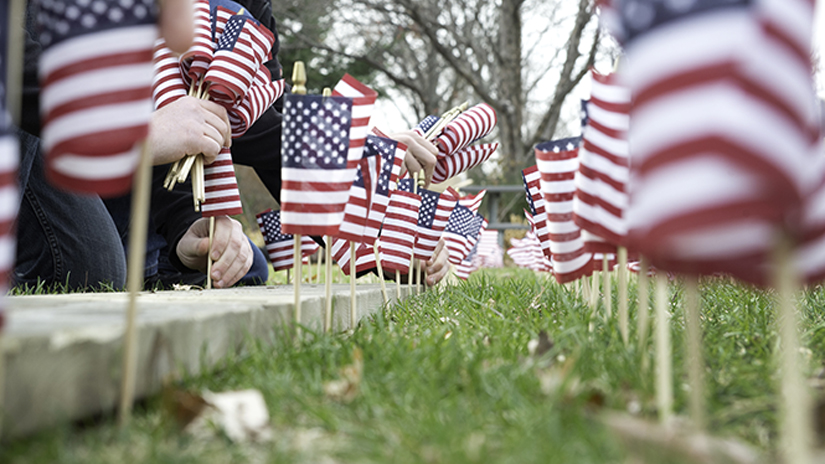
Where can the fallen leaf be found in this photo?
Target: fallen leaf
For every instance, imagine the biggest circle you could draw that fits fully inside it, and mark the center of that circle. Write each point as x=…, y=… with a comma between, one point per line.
x=240, y=415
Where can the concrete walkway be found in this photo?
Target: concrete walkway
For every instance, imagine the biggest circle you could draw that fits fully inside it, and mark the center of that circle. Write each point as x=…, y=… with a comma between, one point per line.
x=63, y=352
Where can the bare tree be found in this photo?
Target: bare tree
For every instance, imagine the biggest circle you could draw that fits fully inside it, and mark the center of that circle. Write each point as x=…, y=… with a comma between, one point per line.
x=438, y=53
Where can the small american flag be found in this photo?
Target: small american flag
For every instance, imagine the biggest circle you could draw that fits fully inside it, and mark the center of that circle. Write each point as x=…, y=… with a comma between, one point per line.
x=239, y=54
x=489, y=250
x=725, y=141
x=195, y=61
x=363, y=103
x=473, y=202
x=256, y=101
x=385, y=150
x=96, y=99
x=167, y=84
x=9, y=197
x=432, y=219
x=470, y=264
x=361, y=195
x=426, y=124
x=469, y=127
x=279, y=246
x=398, y=160
x=364, y=256
x=456, y=234
x=398, y=233
x=222, y=195
x=558, y=162
x=468, y=158
x=316, y=179
x=601, y=181
x=532, y=186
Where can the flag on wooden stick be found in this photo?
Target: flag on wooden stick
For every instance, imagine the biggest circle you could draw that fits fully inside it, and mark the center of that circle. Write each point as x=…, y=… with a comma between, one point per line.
x=96, y=96
x=315, y=173
x=279, y=246
x=399, y=229
x=558, y=162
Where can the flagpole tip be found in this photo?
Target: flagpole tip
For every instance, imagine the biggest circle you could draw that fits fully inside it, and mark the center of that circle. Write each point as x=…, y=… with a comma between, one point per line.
x=299, y=78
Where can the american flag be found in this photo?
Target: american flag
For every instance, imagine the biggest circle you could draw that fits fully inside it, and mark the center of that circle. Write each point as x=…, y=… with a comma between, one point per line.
x=473, y=202
x=222, y=195
x=469, y=265
x=432, y=219
x=397, y=161
x=557, y=162
x=241, y=50
x=195, y=61
x=398, y=233
x=316, y=179
x=9, y=198
x=468, y=158
x=364, y=256
x=279, y=246
x=385, y=150
x=601, y=181
x=724, y=140
x=478, y=225
x=258, y=98
x=167, y=84
x=526, y=253
x=470, y=126
x=360, y=198
x=96, y=91
x=426, y=124
x=489, y=250
x=363, y=103
x=532, y=186
x=406, y=185
x=456, y=234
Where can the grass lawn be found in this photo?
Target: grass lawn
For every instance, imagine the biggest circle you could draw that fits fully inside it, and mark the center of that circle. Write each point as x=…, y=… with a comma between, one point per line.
x=447, y=377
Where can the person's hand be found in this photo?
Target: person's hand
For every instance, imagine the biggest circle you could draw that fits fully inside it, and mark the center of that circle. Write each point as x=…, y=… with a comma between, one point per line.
x=421, y=154
x=177, y=24
x=231, y=253
x=188, y=126
x=439, y=264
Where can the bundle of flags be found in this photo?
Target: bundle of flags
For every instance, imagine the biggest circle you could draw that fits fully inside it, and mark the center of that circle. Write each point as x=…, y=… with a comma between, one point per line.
x=226, y=65
x=455, y=153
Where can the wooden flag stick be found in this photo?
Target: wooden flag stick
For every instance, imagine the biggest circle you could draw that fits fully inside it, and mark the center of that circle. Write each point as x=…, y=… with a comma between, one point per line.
x=287, y=275
x=607, y=294
x=642, y=313
x=594, y=298
x=352, y=308
x=622, y=305
x=795, y=419
x=696, y=364
x=137, y=260
x=320, y=262
x=585, y=289
x=398, y=284
x=380, y=272
x=296, y=265
x=664, y=355
x=328, y=284
x=209, y=253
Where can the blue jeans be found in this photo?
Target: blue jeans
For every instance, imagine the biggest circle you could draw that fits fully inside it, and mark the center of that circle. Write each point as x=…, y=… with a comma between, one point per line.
x=71, y=239
x=62, y=238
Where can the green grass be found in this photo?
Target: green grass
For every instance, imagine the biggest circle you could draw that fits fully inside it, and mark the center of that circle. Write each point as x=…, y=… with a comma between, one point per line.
x=448, y=378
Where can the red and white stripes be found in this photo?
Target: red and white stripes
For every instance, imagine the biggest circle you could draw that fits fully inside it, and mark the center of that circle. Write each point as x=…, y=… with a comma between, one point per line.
x=222, y=195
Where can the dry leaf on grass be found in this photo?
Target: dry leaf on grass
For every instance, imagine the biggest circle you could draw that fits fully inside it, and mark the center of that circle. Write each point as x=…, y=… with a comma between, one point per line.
x=347, y=386
x=240, y=415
